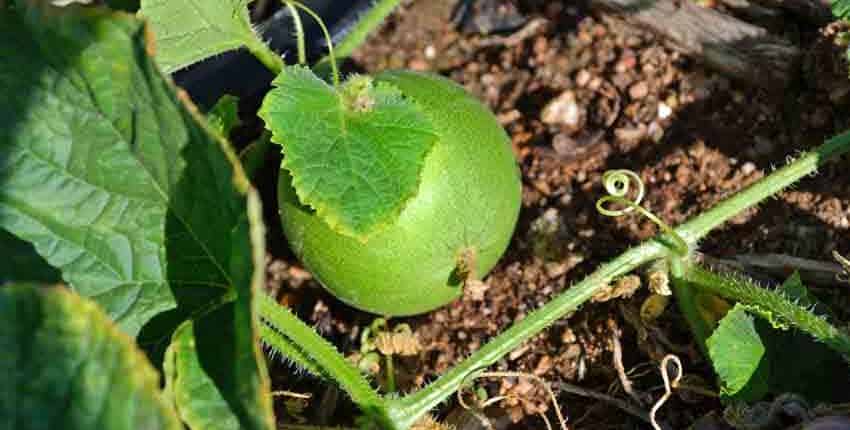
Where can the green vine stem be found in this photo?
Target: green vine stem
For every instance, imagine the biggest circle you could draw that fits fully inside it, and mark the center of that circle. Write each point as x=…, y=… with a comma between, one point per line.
x=319, y=352
x=299, y=32
x=687, y=299
x=407, y=410
x=279, y=344
x=770, y=304
x=367, y=23
x=327, y=35
x=264, y=54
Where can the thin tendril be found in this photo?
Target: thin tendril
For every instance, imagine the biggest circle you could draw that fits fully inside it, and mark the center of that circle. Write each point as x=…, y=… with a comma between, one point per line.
x=617, y=184
x=668, y=386
x=299, y=31
x=327, y=34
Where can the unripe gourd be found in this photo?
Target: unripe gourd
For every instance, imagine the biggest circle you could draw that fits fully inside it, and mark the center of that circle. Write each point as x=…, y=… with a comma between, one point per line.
x=466, y=204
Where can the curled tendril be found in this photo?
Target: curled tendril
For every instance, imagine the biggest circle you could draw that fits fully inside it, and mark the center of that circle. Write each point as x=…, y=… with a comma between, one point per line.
x=617, y=184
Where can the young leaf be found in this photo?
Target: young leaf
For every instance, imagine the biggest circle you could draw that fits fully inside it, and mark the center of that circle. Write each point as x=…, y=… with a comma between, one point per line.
x=356, y=154
x=65, y=365
x=736, y=350
x=188, y=31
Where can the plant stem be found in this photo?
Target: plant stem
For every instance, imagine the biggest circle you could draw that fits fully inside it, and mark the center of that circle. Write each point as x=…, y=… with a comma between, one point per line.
x=322, y=353
x=367, y=23
x=769, y=301
x=806, y=164
x=687, y=301
x=407, y=410
x=390, y=370
x=328, y=38
x=280, y=344
x=299, y=32
x=262, y=52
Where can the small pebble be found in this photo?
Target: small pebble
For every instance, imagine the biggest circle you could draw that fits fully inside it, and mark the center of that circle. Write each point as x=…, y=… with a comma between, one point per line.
x=639, y=90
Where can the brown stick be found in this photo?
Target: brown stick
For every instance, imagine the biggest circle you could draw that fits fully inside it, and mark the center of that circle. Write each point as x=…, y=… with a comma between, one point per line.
x=731, y=46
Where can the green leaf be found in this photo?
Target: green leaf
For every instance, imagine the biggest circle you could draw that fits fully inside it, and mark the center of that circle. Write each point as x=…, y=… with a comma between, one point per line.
x=118, y=182
x=355, y=155
x=106, y=171
x=790, y=360
x=188, y=31
x=21, y=263
x=194, y=394
x=736, y=350
x=224, y=116
x=840, y=8
x=812, y=368
x=65, y=365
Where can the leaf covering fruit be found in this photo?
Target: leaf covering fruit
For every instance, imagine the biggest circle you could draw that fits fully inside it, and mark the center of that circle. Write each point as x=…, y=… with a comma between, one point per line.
x=450, y=177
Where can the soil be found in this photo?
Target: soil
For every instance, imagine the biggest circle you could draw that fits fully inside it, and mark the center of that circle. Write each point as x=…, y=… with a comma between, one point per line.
x=581, y=93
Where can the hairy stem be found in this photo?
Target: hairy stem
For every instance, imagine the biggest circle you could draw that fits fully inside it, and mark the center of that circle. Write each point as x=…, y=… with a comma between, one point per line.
x=265, y=55
x=299, y=32
x=770, y=303
x=367, y=23
x=407, y=410
x=806, y=164
x=328, y=38
x=320, y=352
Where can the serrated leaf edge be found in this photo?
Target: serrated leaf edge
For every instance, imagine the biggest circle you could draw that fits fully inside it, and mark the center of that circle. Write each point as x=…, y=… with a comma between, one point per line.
x=327, y=214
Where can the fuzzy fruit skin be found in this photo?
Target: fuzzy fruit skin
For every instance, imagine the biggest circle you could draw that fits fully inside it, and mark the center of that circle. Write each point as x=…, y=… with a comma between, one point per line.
x=469, y=196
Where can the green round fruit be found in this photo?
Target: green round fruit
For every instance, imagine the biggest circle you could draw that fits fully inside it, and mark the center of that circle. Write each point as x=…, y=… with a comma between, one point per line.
x=468, y=199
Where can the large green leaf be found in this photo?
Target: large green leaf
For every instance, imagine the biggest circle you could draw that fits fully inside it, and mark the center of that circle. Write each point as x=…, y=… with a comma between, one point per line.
x=356, y=154
x=118, y=183
x=66, y=366
x=107, y=173
x=188, y=31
